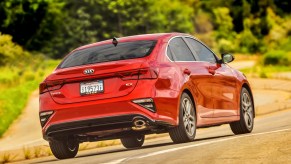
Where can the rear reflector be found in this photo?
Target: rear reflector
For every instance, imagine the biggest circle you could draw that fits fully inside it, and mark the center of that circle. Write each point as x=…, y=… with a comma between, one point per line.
x=44, y=116
x=147, y=103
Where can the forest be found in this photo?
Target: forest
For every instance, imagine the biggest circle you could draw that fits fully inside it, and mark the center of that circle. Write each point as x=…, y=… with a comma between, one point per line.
x=55, y=27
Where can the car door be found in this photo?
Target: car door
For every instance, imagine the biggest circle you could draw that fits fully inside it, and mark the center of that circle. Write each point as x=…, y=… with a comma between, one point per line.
x=223, y=83
x=194, y=73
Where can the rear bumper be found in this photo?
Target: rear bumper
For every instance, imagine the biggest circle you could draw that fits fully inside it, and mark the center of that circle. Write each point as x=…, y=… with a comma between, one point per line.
x=98, y=115
x=95, y=124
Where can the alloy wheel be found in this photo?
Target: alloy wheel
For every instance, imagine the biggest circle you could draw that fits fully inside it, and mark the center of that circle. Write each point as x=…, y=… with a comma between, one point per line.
x=188, y=117
x=247, y=109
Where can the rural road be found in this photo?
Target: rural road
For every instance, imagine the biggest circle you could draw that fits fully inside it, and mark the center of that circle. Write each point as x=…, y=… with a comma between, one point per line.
x=268, y=143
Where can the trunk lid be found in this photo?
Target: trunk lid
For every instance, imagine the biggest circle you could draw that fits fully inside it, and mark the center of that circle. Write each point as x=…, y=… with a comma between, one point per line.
x=117, y=78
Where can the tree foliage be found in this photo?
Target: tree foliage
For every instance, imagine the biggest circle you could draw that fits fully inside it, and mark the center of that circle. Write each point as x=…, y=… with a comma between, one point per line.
x=55, y=27
x=9, y=51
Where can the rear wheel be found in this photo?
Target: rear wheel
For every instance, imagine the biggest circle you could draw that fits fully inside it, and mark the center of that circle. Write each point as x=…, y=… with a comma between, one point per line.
x=246, y=122
x=186, y=130
x=133, y=142
x=65, y=148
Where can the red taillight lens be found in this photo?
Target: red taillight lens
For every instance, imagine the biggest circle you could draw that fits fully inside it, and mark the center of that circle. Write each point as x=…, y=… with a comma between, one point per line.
x=145, y=73
x=50, y=86
x=149, y=73
x=42, y=88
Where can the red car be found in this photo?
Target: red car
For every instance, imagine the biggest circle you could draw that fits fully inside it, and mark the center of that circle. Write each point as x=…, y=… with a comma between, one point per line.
x=128, y=87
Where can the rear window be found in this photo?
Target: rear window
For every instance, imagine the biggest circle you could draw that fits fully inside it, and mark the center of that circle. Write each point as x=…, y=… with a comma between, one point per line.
x=108, y=52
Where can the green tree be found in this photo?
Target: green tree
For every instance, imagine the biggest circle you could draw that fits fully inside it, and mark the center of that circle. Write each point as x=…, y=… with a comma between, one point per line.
x=31, y=23
x=223, y=23
x=88, y=21
x=10, y=53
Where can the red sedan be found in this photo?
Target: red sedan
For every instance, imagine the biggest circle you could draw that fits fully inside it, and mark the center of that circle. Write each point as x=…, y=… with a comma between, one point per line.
x=125, y=88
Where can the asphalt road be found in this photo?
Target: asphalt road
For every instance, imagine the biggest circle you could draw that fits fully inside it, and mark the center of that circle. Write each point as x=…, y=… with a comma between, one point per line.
x=270, y=142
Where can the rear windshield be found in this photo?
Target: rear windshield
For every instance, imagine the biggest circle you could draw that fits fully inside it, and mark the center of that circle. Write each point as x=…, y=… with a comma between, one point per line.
x=108, y=52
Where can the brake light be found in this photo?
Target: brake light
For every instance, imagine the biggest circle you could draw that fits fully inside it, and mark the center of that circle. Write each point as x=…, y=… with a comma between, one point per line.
x=42, y=88
x=145, y=73
x=149, y=73
x=50, y=86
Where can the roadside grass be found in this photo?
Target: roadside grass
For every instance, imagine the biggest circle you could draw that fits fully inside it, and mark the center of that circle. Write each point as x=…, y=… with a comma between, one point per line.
x=245, y=57
x=7, y=157
x=265, y=71
x=27, y=153
x=16, y=84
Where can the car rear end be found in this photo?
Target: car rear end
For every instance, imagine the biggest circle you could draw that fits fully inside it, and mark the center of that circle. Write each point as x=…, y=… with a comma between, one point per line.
x=101, y=89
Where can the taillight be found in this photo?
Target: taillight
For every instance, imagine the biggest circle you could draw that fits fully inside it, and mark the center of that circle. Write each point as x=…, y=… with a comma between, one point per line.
x=50, y=86
x=149, y=73
x=145, y=73
x=42, y=88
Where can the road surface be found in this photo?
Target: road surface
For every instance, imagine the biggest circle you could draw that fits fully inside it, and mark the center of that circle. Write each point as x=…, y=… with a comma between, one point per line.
x=269, y=143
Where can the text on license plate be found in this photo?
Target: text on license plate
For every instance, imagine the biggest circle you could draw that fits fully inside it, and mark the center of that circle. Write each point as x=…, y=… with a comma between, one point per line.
x=92, y=87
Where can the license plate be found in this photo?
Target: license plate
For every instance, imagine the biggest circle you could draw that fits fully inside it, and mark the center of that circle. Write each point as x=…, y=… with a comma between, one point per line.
x=87, y=88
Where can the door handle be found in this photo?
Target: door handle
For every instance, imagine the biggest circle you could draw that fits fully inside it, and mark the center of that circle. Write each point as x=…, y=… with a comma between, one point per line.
x=187, y=71
x=211, y=69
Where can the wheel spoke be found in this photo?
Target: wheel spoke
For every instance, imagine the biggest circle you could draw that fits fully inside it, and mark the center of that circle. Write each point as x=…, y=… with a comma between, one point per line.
x=246, y=118
x=191, y=123
x=249, y=119
x=191, y=130
x=191, y=118
x=243, y=98
x=188, y=127
x=188, y=108
x=185, y=121
x=184, y=107
x=245, y=104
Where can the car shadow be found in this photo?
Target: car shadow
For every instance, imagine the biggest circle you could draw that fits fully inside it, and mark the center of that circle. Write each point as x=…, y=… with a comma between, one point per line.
x=142, y=148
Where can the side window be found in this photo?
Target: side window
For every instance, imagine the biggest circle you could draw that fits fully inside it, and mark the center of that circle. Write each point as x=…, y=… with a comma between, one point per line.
x=203, y=53
x=179, y=51
x=169, y=53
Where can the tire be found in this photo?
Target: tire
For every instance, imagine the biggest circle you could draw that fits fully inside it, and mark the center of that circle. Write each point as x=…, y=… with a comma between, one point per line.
x=186, y=130
x=246, y=122
x=132, y=142
x=65, y=148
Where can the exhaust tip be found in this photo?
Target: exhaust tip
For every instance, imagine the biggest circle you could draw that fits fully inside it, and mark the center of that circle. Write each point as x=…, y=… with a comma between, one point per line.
x=139, y=124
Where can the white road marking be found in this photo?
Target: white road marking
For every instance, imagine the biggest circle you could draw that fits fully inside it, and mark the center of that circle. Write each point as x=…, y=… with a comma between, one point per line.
x=116, y=161
x=191, y=146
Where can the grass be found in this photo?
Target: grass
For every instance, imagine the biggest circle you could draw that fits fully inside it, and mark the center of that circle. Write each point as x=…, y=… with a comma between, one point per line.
x=265, y=71
x=244, y=57
x=16, y=84
x=27, y=153
x=38, y=152
x=7, y=157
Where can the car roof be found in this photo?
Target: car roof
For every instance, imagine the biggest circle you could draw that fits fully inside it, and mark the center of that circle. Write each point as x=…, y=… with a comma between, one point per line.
x=155, y=36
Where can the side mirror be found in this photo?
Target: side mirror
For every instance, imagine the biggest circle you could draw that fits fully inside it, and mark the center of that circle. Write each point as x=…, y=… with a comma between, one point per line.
x=227, y=58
